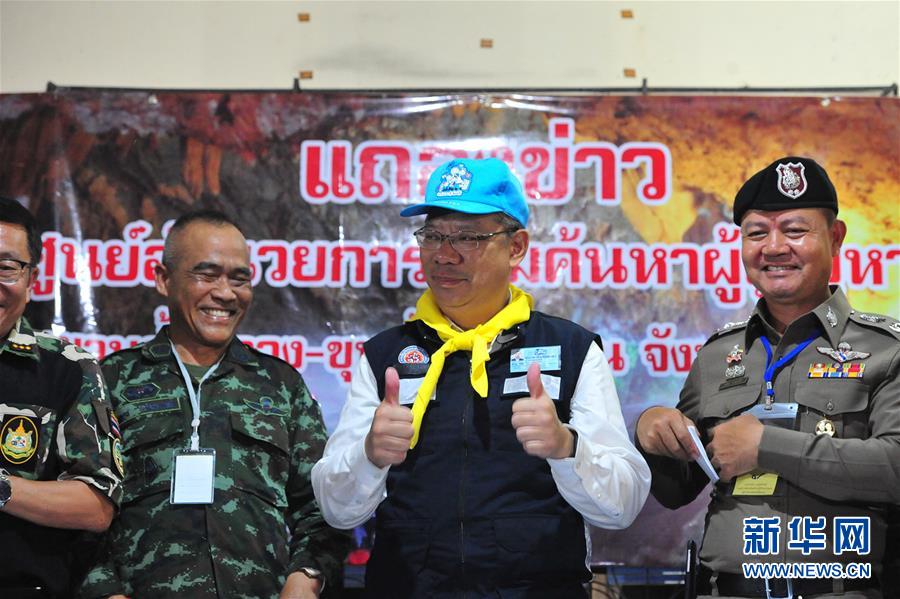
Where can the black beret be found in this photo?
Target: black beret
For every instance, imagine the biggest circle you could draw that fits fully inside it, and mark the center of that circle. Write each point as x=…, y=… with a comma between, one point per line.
x=788, y=183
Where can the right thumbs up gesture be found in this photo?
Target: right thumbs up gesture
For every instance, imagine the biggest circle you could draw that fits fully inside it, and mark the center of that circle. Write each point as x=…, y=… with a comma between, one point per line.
x=391, y=431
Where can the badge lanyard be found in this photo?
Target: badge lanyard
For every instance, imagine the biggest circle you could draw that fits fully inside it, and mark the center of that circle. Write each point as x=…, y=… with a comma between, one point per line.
x=194, y=395
x=771, y=367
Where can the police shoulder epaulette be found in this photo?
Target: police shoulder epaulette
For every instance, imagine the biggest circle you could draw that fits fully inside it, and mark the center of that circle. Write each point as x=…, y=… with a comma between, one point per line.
x=877, y=321
x=728, y=327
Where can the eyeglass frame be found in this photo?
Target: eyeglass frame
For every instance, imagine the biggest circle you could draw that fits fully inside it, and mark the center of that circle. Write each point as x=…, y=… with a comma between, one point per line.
x=479, y=237
x=22, y=266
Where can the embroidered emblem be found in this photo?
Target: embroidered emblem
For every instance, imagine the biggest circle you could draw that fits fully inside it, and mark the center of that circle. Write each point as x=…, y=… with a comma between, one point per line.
x=413, y=354
x=843, y=353
x=791, y=179
x=830, y=317
x=265, y=405
x=20, y=439
x=836, y=371
x=874, y=318
x=116, y=450
x=455, y=181
x=894, y=326
x=825, y=427
x=138, y=392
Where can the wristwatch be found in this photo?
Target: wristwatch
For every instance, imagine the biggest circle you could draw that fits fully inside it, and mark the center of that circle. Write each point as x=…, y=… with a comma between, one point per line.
x=315, y=575
x=5, y=488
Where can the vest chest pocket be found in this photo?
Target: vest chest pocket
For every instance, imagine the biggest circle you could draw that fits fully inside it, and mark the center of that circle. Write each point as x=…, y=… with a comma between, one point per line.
x=843, y=403
x=260, y=456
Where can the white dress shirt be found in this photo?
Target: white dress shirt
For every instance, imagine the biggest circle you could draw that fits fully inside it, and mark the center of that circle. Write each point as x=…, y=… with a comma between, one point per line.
x=606, y=482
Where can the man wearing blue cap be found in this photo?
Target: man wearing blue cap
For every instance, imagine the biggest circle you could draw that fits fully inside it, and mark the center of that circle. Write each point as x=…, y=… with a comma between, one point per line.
x=799, y=407
x=484, y=433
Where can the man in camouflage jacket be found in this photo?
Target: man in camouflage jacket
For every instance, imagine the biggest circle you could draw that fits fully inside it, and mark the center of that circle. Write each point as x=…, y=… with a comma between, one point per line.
x=58, y=476
x=262, y=535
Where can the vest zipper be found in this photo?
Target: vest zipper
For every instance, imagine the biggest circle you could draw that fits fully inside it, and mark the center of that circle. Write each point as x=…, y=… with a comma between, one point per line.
x=462, y=491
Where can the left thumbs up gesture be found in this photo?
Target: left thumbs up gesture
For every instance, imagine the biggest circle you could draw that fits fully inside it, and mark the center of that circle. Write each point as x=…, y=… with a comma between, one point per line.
x=537, y=426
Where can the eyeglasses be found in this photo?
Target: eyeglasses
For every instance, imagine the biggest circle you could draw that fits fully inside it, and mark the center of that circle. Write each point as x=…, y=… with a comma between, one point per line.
x=12, y=270
x=461, y=241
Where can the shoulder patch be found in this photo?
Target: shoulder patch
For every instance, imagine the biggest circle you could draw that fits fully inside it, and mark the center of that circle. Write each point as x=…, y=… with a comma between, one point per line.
x=19, y=442
x=877, y=321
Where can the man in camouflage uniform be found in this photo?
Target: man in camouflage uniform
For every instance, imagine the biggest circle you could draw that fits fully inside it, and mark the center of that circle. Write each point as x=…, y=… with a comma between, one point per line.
x=262, y=534
x=58, y=476
x=818, y=478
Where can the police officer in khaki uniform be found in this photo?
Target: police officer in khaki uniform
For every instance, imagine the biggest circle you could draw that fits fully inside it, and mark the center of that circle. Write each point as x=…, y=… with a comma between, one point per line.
x=798, y=407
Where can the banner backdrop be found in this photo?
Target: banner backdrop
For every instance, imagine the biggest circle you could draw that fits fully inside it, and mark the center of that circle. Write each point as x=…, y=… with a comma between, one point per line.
x=632, y=233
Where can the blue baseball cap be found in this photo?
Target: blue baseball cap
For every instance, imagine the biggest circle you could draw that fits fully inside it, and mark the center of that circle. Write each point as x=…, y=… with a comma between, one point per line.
x=474, y=187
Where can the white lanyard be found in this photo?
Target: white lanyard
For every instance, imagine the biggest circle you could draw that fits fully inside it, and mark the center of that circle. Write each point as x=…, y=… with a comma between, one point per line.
x=194, y=395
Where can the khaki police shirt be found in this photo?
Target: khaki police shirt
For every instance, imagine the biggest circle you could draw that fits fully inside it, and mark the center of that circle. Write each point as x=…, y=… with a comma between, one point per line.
x=855, y=472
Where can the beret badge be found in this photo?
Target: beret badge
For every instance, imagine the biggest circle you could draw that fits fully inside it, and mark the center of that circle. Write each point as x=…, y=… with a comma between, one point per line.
x=792, y=179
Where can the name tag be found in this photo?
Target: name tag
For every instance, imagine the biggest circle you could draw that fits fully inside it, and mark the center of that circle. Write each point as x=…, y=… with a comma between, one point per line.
x=409, y=388
x=193, y=477
x=548, y=357
x=519, y=385
x=755, y=483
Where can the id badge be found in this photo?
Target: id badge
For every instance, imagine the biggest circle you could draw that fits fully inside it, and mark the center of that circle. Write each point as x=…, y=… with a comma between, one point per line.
x=193, y=476
x=777, y=411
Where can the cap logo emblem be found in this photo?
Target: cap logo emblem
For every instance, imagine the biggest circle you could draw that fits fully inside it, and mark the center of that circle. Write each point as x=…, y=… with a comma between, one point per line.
x=454, y=182
x=791, y=179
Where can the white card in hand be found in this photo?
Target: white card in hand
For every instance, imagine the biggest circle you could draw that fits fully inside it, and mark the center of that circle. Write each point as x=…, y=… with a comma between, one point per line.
x=703, y=459
x=193, y=477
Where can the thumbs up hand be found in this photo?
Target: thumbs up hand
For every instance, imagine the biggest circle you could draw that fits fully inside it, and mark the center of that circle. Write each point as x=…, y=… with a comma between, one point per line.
x=537, y=426
x=391, y=431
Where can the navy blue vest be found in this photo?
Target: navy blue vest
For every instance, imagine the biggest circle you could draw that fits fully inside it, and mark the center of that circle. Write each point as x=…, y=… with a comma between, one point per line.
x=469, y=510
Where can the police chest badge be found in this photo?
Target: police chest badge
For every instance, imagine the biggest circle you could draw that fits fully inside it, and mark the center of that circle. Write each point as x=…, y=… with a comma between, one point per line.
x=791, y=179
x=873, y=318
x=18, y=440
x=734, y=369
x=843, y=353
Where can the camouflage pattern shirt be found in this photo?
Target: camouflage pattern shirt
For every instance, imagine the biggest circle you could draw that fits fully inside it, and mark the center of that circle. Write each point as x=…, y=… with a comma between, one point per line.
x=56, y=423
x=267, y=432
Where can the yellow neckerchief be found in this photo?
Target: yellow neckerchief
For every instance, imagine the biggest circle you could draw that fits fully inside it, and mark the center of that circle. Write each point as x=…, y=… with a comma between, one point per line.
x=475, y=340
